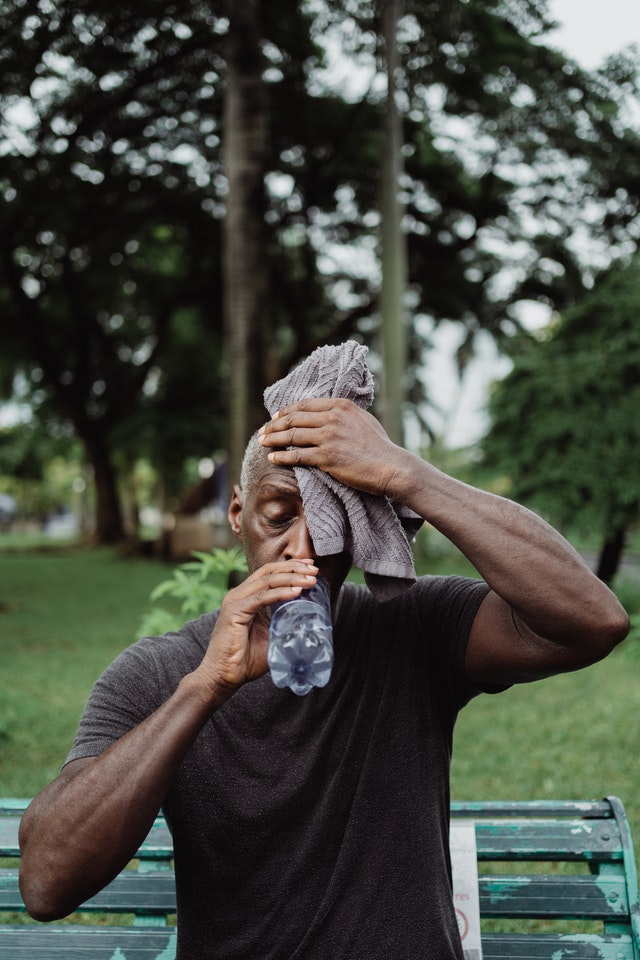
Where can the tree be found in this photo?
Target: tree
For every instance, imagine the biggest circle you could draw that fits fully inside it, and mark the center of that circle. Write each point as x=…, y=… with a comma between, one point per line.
x=507, y=148
x=114, y=194
x=98, y=273
x=393, y=241
x=564, y=423
x=245, y=253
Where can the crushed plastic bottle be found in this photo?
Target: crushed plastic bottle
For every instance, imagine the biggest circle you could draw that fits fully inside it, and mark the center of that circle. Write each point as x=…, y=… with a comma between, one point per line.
x=300, y=652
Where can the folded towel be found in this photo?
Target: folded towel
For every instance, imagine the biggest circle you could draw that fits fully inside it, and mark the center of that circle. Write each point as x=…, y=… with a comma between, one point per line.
x=374, y=530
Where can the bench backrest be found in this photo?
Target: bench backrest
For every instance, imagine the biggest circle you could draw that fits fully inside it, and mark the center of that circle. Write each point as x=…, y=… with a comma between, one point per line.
x=556, y=880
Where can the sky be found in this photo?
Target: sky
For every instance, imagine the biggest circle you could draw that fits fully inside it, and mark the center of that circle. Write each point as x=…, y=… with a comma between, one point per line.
x=590, y=30
x=593, y=29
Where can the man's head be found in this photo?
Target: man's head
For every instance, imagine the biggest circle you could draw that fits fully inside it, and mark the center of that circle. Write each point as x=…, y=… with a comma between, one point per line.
x=267, y=513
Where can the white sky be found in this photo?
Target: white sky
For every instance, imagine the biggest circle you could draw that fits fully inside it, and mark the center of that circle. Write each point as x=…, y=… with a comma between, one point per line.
x=590, y=31
x=593, y=29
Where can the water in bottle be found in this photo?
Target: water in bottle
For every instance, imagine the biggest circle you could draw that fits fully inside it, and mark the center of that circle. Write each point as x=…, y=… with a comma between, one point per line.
x=300, y=652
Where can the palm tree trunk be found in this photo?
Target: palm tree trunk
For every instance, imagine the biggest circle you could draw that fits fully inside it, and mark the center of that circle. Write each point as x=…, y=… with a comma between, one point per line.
x=245, y=271
x=393, y=242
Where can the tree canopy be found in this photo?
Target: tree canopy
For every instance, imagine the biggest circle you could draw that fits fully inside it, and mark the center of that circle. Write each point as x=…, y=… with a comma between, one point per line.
x=565, y=426
x=113, y=189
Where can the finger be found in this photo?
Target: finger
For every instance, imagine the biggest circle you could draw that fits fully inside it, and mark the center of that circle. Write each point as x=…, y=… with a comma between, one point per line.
x=296, y=457
x=294, y=436
x=308, y=405
x=272, y=582
x=312, y=412
x=276, y=580
x=302, y=419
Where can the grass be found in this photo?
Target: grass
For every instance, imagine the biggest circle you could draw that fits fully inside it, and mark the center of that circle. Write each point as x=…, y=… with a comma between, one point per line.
x=66, y=613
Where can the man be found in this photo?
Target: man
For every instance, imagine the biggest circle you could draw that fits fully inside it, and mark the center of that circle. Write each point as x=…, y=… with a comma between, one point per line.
x=315, y=828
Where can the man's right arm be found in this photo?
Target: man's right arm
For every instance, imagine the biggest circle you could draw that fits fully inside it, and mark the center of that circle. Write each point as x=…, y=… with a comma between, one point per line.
x=84, y=828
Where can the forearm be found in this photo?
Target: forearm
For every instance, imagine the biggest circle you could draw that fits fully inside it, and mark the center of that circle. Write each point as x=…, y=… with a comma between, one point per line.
x=524, y=560
x=81, y=831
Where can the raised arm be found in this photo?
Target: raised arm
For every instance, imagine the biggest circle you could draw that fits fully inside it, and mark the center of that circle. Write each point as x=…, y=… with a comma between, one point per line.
x=546, y=611
x=83, y=829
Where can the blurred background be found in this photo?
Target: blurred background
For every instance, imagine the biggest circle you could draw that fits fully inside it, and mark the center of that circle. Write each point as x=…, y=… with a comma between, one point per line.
x=195, y=196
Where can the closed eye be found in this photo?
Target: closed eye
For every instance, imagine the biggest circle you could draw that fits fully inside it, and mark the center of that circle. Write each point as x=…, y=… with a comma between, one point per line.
x=281, y=521
x=279, y=518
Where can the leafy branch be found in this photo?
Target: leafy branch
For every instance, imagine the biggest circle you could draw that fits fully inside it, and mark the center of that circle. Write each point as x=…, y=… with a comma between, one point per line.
x=199, y=585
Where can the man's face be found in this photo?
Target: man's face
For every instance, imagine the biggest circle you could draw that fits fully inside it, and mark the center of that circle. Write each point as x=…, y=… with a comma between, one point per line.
x=269, y=519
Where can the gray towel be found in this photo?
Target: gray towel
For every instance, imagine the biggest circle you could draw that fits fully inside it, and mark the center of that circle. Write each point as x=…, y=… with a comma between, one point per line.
x=373, y=530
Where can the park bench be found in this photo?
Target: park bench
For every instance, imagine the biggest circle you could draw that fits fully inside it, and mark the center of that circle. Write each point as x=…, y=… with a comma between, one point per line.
x=540, y=864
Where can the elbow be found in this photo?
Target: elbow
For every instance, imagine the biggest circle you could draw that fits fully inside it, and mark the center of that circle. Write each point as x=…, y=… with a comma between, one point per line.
x=618, y=628
x=41, y=901
x=43, y=890
x=37, y=882
x=609, y=629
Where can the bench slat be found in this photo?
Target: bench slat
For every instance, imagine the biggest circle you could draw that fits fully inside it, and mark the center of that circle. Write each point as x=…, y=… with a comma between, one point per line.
x=594, y=840
x=494, y=809
x=590, y=840
x=86, y=943
x=459, y=808
x=158, y=844
x=524, y=897
x=532, y=946
x=554, y=897
x=151, y=892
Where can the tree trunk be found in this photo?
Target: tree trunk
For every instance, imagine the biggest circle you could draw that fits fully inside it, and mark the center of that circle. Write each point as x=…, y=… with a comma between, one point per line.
x=109, y=520
x=393, y=243
x=245, y=269
x=611, y=554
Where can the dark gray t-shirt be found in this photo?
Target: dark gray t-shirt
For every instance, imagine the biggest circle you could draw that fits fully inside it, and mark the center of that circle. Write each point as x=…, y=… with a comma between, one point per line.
x=316, y=827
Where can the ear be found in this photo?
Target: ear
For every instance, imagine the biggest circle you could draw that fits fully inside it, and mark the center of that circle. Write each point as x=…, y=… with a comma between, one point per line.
x=234, y=512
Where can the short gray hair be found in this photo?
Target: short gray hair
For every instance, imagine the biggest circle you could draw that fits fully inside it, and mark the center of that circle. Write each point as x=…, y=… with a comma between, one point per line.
x=252, y=461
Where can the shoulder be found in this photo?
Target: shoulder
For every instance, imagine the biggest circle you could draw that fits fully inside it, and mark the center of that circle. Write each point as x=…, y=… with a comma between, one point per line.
x=427, y=590
x=137, y=682
x=453, y=591
x=446, y=602
x=169, y=656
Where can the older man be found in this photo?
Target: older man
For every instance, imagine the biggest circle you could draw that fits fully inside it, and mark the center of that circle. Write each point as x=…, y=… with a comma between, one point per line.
x=314, y=828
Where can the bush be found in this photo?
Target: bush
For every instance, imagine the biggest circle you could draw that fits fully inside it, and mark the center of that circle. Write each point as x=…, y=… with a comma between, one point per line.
x=199, y=585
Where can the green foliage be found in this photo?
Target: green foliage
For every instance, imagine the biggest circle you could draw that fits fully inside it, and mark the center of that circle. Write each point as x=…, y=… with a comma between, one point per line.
x=38, y=469
x=565, y=426
x=198, y=585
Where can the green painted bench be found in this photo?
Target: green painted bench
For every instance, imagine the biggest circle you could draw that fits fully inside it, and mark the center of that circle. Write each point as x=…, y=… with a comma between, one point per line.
x=556, y=881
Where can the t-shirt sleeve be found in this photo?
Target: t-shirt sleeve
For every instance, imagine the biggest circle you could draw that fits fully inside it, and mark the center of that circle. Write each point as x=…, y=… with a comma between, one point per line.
x=447, y=608
x=123, y=696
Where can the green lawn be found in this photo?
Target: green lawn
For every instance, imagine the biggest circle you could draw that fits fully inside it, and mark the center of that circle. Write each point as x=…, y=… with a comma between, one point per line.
x=65, y=614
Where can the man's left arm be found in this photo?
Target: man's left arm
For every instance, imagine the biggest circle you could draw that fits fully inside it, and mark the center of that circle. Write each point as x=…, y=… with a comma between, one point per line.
x=546, y=612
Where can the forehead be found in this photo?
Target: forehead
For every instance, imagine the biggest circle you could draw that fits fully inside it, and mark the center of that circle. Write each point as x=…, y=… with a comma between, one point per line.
x=272, y=480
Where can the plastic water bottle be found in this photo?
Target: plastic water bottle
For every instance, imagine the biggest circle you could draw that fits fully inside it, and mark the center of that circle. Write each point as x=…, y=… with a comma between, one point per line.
x=300, y=652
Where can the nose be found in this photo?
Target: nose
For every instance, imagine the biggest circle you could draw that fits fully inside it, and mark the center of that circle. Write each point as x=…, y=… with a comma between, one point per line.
x=299, y=545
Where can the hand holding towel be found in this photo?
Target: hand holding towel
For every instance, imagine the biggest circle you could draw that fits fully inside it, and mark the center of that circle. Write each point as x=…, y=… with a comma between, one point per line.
x=373, y=530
